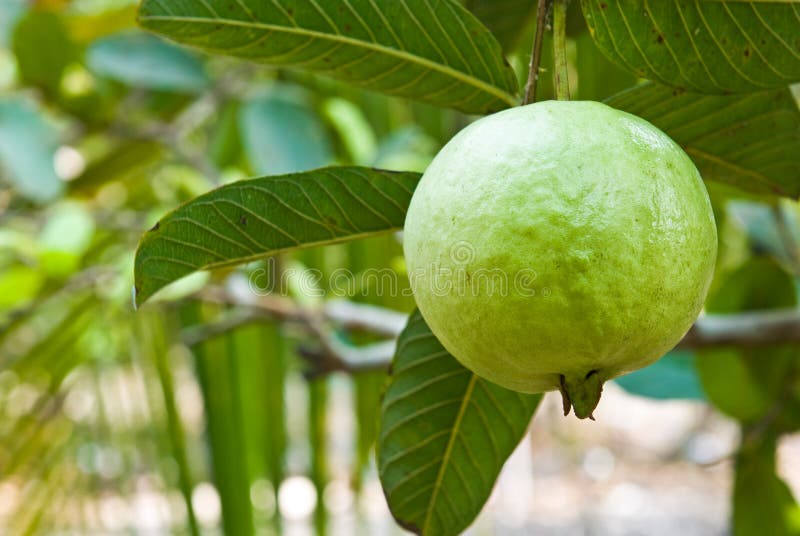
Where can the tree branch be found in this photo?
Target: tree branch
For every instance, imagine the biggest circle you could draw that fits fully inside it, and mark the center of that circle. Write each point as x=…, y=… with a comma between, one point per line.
x=742, y=330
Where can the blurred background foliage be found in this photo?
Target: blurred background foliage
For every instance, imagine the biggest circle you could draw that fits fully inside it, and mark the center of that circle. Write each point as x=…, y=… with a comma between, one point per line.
x=194, y=414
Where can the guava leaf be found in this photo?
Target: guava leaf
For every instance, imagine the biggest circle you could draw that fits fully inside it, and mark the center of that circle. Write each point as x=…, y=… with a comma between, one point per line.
x=672, y=377
x=749, y=141
x=762, y=502
x=252, y=219
x=28, y=145
x=747, y=384
x=142, y=60
x=505, y=18
x=445, y=434
x=707, y=47
x=282, y=134
x=436, y=52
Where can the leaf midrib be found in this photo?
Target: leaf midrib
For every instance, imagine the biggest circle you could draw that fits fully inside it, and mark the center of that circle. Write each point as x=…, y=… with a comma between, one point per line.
x=448, y=451
x=337, y=38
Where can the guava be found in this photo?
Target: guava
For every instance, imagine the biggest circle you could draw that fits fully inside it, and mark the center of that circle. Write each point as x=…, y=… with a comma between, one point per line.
x=557, y=245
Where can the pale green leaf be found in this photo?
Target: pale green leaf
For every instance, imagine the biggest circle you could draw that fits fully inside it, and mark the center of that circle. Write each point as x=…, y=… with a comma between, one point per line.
x=434, y=51
x=252, y=219
x=141, y=60
x=708, y=47
x=282, y=134
x=445, y=434
x=750, y=141
x=27, y=150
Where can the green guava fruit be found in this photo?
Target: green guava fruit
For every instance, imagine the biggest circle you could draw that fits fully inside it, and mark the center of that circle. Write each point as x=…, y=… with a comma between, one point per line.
x=558, y=245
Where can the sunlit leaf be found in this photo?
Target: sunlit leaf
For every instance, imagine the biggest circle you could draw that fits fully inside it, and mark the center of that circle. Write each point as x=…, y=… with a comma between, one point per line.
x=708, y=47
x=251, y=219
x=445, y=434
x=43, y=49
x=436, y=52
x=750, y=141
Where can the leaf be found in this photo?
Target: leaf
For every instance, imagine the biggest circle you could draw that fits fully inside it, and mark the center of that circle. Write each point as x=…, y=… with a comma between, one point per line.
x=445, y=434
x=282, y=134
x=43, y=49
x=27, y=150
x=436, y=52
x=747, y=383
x=251, y=219
x=749, y=141
x=762, y=502
x=141, y=60
x=671, y=377
x=708, y=47
x=505, y=18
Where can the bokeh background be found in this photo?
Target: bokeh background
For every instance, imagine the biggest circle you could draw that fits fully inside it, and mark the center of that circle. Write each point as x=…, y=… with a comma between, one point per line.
x=210, y=411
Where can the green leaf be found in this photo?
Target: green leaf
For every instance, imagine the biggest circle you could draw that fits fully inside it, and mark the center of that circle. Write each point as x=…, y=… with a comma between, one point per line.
x=762, y=502
x=141, y=60
x=282, y=134
x=708, y=47
x=436, y=52
x=747, y=383
x=505, y=18
x=445, y=434
x=27, y=150
x=251, y=219
x=43, y=49
x=671, y=377
x=749, y=141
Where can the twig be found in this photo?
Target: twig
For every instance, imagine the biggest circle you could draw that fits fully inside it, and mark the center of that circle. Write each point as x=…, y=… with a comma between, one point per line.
x=560, y=49
x=536, y=53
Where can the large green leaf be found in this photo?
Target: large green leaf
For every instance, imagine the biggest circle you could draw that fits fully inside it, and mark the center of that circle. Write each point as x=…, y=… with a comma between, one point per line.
x=749, y=141
x=762, y=502
x=505, y=18
x=434, y=51
x=251, y=219
x=445, y=434
x=748, y=384
x=709, y=47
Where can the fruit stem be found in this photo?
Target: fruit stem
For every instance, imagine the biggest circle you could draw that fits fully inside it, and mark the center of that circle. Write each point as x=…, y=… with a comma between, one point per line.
x=560, y=49
x=536, y=52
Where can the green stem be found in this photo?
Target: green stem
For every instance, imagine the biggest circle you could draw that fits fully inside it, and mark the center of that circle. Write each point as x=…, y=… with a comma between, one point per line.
x=560, y=49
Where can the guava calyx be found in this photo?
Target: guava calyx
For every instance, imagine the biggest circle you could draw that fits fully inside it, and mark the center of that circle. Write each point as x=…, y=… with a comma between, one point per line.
x=582, y=394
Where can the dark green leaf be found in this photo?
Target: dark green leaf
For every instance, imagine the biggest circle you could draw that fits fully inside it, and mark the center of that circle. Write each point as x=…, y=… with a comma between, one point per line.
x=141, y=60
x=505, y=18
x=762, y=502
x=43, y=49
x=436, y=52
x=672, y=376
x=27, y=150
x=282, y=134
x=445, y=434
x=251, y=219
x=749, y=141
x=708, y=47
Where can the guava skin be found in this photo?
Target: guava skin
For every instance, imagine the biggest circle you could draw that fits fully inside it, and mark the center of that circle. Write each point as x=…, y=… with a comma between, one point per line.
x=600, y=226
